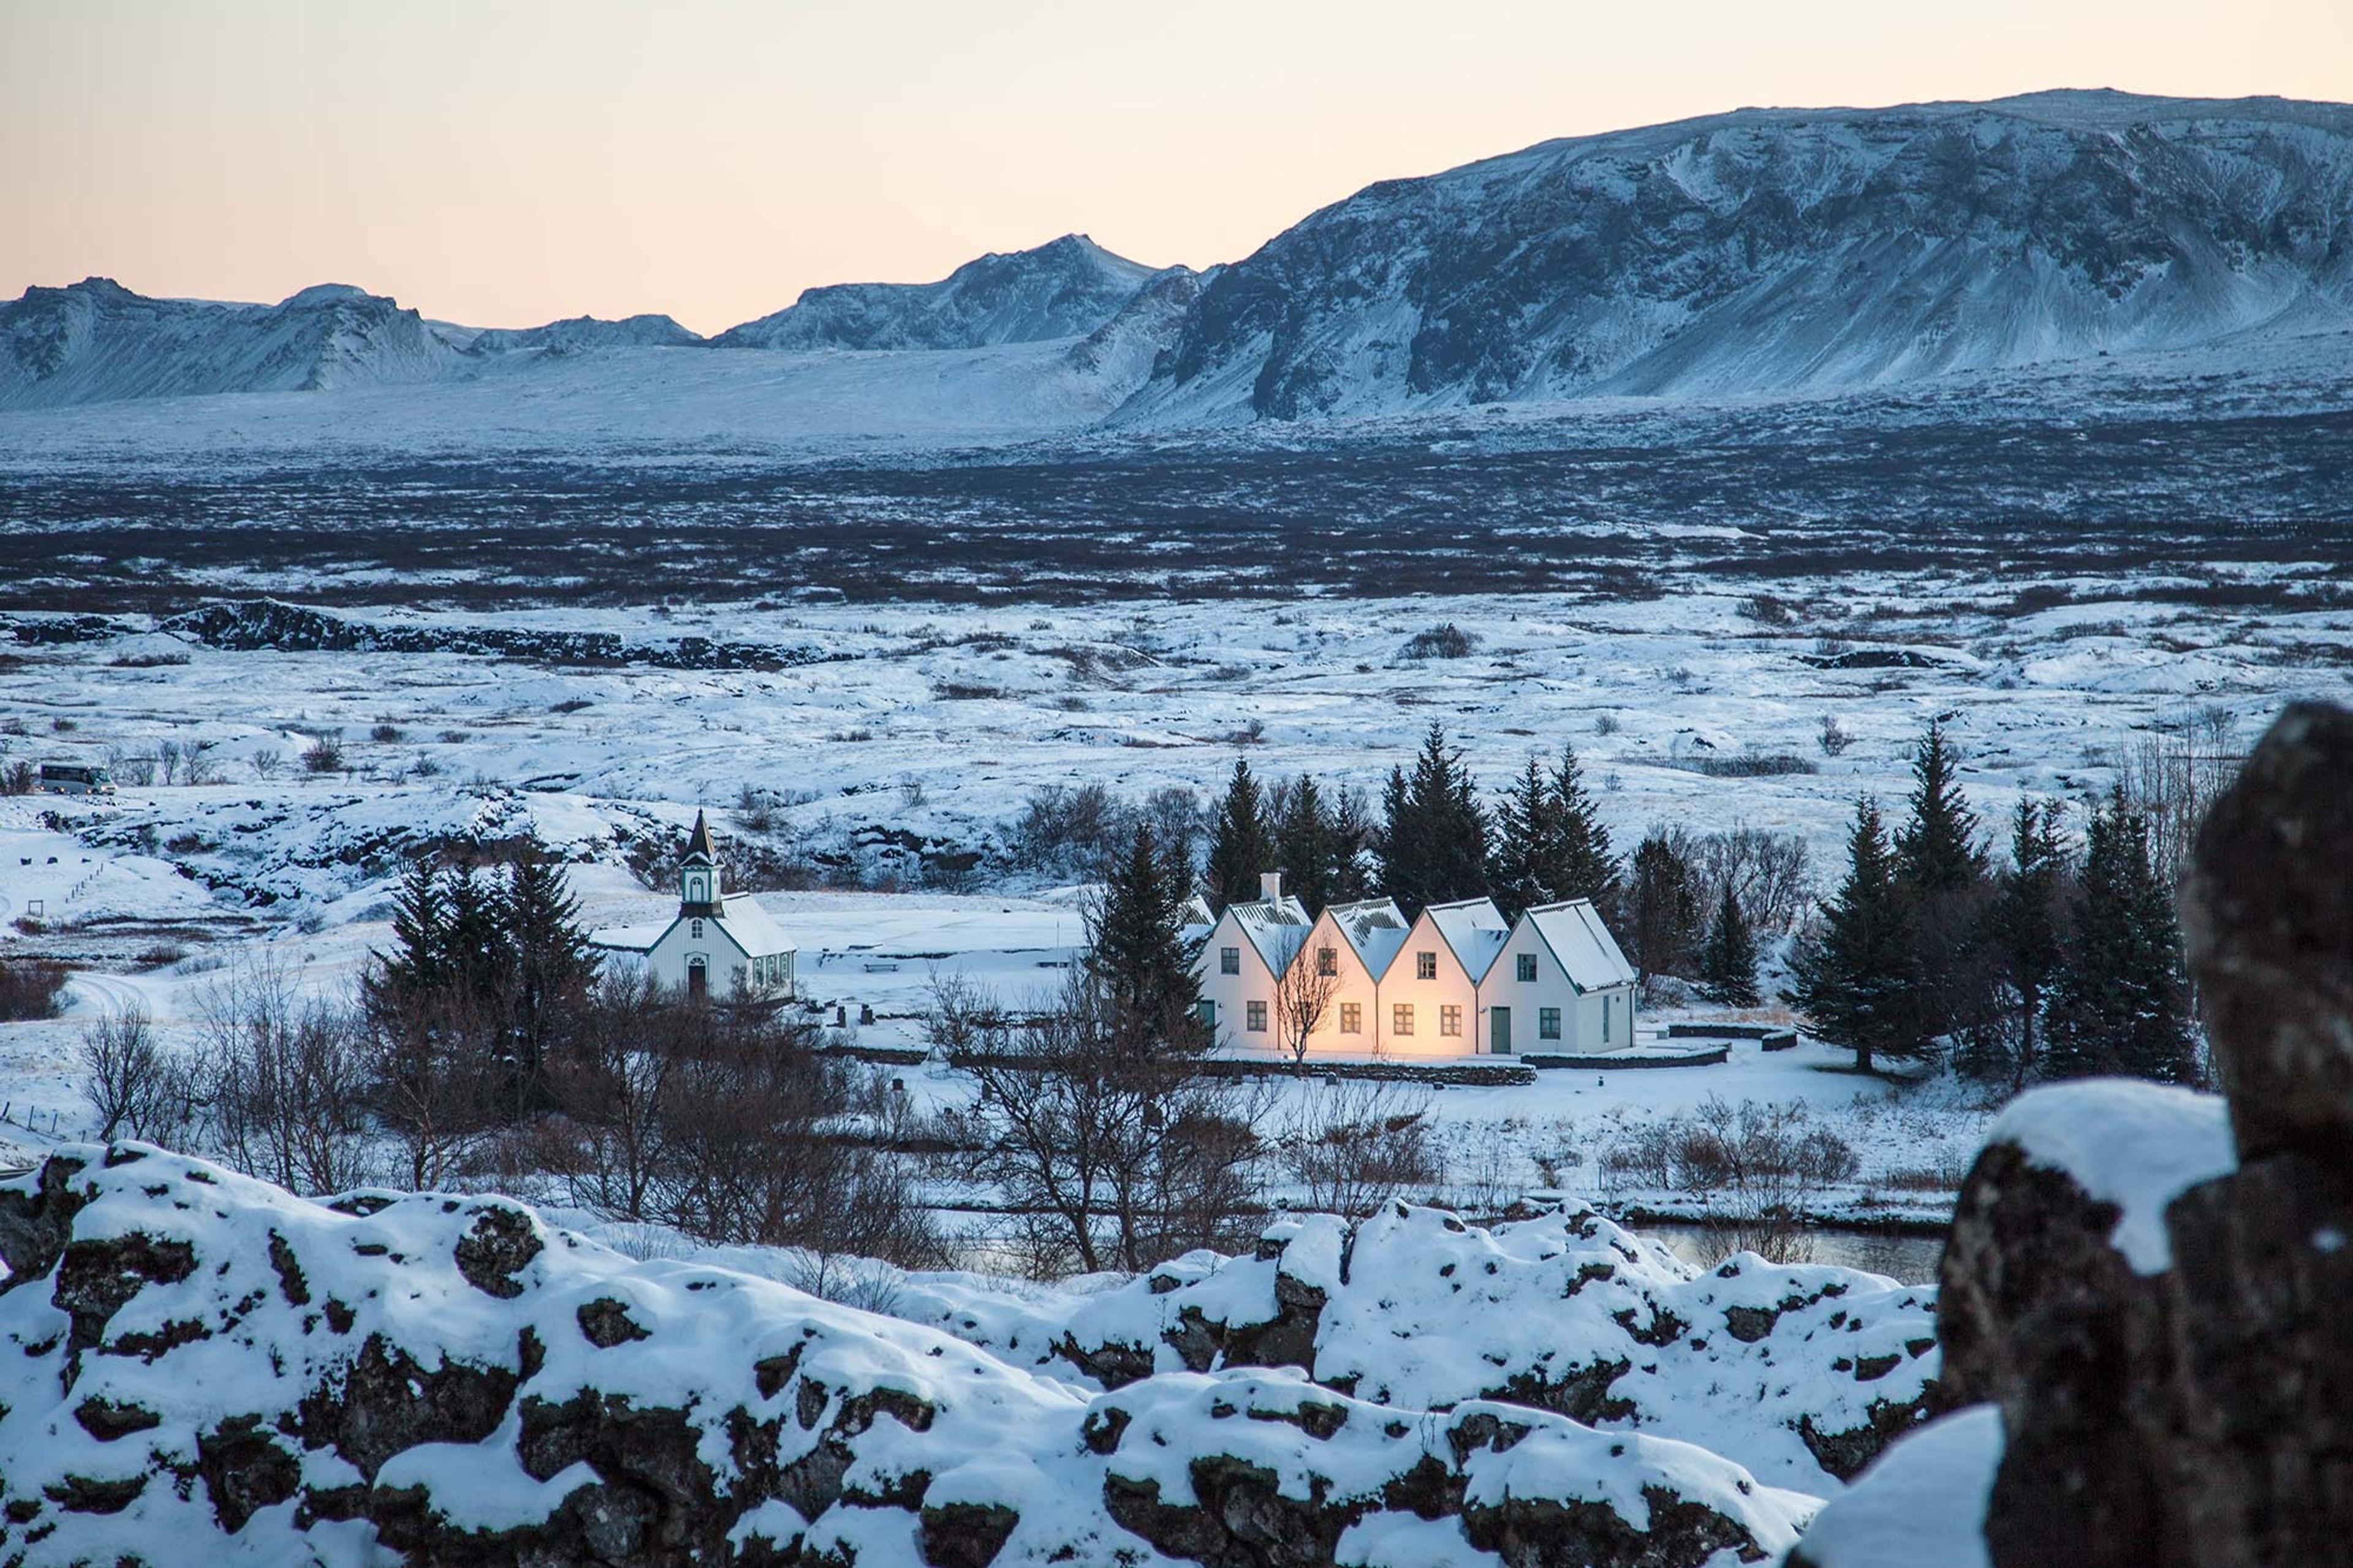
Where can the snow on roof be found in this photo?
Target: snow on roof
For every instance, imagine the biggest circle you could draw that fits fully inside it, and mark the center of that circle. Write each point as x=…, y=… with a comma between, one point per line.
x=2136, y=1145
x=1374, y=928
x=1474, y=928
x=1582, y=944
x=634, y=937
x=751, y=927
x=1277, y=927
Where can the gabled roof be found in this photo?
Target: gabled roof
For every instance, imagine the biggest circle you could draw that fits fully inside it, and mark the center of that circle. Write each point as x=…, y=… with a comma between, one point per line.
x=698, y=844
x=1374, y=929
x=1276, y=928
x=1474, y=928
x=1581, y=944
x=751, y=927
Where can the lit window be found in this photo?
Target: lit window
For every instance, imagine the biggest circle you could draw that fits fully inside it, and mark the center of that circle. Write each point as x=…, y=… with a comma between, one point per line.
x=1527, y=966
x=1327, y=962
x=1449, y=1022
x=1256, y=1023
x=1401, y=1018
x=1351, y=1017
x=1424, y=966
x=1547, y=1023
x=1230, y=960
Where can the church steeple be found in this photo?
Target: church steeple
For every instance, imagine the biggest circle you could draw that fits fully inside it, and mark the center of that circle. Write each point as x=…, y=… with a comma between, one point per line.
x=698, y=873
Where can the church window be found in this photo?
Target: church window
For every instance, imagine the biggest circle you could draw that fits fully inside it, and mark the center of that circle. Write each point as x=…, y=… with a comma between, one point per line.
x=697, y=933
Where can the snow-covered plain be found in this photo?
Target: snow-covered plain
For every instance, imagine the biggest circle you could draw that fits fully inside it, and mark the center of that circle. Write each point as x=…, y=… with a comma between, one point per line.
x=901, y=758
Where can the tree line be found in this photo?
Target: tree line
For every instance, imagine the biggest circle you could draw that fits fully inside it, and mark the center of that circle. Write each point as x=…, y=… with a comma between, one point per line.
x=2049, y=964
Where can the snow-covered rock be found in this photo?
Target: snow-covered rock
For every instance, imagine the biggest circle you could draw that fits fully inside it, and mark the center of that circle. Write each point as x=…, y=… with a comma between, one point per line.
x=202, y=1368
x=1801, y=1374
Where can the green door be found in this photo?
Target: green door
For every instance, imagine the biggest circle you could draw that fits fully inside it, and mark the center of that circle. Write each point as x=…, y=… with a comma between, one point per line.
x=1499, y=1031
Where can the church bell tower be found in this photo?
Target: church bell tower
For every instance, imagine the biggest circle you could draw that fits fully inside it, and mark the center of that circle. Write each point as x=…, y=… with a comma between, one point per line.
x=698, y=874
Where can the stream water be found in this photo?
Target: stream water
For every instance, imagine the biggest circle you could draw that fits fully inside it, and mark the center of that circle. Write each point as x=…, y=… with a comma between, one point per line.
x=1909, y=1258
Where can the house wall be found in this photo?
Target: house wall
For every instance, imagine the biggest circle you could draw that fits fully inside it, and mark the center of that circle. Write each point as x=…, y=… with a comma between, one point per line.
x=670, y=957
x=1356, y=986
x=1452, y=987
x=1233, y=993
x=1581, y=1020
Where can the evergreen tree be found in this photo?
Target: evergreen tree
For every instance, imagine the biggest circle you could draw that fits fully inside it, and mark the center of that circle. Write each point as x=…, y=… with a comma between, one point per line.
x=1136, y=949
x=1353, y=834
x=1727, y=962
x=1307, y=844
x=1662, y=913
x=1937, y=851
x=481, y=954
x=1241, y=845
x=2023, y=922
x=419, y=965
x=1856, y=977
x=1518, y=869
x=1582, y=866
x=551, y=966
x=2118, y=1003
x=1434, y=840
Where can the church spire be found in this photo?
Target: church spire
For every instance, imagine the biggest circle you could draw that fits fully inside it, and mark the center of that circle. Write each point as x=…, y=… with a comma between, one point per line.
x=698, y=873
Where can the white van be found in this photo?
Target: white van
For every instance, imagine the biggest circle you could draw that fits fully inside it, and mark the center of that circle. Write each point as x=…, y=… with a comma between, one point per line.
x=68, y=778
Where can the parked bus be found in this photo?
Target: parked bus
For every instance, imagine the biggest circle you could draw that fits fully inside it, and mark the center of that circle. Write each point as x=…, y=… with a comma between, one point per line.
x=70, y=778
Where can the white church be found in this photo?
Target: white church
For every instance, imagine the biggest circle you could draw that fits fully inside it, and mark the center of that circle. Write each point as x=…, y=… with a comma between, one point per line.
x=717, y=944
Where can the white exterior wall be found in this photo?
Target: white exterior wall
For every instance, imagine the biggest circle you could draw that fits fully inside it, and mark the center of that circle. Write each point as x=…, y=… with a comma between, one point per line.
x=1581, y=1013
x=1232, y=993
x=1356, y=986
x=673, y=955
x=1452, y=987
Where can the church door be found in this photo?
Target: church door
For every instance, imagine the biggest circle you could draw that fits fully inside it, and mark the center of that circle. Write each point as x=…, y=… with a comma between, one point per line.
x=698, y=978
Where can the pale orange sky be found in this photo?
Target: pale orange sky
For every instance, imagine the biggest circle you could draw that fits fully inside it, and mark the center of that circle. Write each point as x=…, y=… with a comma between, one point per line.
x=506, y=163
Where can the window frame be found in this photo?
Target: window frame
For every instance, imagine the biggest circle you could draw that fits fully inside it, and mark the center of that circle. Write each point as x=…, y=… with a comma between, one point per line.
x=1230, y=960
x=1351, y=1017
x=1425, y=963
x=1254, y=1019
x=1401, y=1020
x=1526, y=969
x=1449, y=1021
x=1547, y=1023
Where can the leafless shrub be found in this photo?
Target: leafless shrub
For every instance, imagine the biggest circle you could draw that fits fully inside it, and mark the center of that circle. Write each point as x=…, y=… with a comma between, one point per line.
x=20, y=778
x=1303, y=995
x=1833, y=739
x=135, y=770
x=1606, y=724
x=910, y=791
x=1768, y=872
x=1358, y=1143
x=324, y=754
x=281, y=1082
x=386, y=734
x=267, y=761
x=1756, y=1166
x=1446, y=641
x=130, y=1085
x=2173, y=776
x=29, y=986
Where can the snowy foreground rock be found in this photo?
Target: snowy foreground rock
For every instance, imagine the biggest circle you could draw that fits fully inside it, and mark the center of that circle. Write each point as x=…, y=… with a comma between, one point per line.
x=2143, y=1303
x=198, y=1367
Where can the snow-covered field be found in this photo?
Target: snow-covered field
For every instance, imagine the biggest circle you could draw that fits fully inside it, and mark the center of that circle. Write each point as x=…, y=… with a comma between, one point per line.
x=900, y=760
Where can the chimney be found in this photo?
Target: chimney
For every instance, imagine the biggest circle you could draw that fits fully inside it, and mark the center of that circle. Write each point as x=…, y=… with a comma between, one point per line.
x=1269, y=886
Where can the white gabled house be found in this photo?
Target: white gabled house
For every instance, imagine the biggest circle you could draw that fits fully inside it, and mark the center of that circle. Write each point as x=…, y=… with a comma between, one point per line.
x=1347, y=950
x=1430, y=991
x=716, y=945
x=1559, y=985
x=1245, y=951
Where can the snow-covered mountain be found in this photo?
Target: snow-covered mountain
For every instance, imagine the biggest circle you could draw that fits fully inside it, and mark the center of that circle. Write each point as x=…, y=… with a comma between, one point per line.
x=578, y=333
x=1064, y=289
x=96, y=341
x=1772, y=250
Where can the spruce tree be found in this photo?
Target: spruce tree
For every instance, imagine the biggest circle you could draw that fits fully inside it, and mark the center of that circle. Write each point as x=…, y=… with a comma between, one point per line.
x=1727, y=961
x=553, y=967
x=2023, y=921
x=419, y=965
x=1856, y=977
x=1519, y=868
x=1136, y=949
x=1241, y=845
x=2118, y=1002
x=481, y=954
x=1307, y=844
x=1354, y=835
x=1434, y=840
x=1662, y=913
x=1937, y=851
x=1583, y=865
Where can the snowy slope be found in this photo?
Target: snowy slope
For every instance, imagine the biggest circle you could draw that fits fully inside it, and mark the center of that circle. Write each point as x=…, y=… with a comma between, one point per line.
x=1064, y=289
x=1771, y=249
x=576, y=333
x=97, y=341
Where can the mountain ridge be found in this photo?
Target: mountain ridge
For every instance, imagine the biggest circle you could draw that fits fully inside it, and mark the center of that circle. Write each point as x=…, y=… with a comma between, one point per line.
x=1762, y=249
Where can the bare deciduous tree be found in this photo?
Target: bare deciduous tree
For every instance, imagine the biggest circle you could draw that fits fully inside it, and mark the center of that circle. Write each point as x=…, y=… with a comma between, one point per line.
x=126, y=1079
x=1303, y=995
x=284, y=1081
